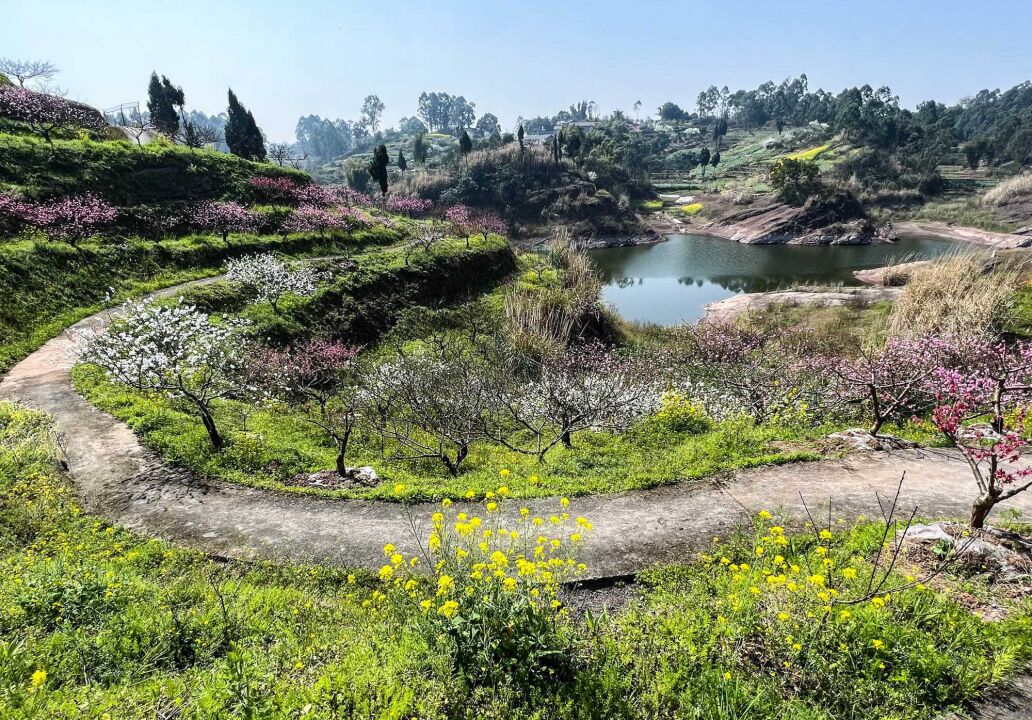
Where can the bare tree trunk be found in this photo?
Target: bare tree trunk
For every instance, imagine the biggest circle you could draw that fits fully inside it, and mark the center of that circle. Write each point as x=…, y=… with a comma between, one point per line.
x=209, y=424
x=980, y=511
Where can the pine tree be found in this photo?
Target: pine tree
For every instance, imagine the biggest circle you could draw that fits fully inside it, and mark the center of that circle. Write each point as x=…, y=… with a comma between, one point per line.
x=704, y=157
x=402, y=163
x=243, y=136
x=465, y=144
x=163, y=115
x=519, y=136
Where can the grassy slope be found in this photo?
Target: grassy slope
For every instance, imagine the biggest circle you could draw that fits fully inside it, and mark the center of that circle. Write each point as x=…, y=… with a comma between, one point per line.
x=97, y=622
x=126, y=174
x=47, y=286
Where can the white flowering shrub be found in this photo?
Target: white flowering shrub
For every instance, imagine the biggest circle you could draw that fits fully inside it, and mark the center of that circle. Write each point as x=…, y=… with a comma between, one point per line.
x=269, y=278
x=175, y=350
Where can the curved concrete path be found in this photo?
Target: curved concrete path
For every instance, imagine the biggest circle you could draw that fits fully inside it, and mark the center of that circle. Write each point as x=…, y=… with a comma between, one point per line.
x=125, y=482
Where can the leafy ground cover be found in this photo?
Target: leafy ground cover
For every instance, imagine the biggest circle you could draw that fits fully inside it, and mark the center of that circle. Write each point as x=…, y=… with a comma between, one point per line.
x=97, y=622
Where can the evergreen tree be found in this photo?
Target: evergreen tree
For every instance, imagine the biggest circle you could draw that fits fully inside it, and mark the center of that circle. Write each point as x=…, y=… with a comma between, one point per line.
x=465, y=144
x=519, y=136
x=163, y=115
x=704, y=158
x=242, y=134
x=402, y=163
x=419, y=149
x=378, y=168
x=715, y=160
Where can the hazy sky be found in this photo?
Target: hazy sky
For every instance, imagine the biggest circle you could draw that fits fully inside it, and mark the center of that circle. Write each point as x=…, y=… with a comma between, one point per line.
x=286, y=59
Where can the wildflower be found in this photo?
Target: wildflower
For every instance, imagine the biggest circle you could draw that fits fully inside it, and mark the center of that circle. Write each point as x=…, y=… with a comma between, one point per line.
x=825, y=534
x=534, y=480
x=470, y=494
x=397, y=559
x=446, y=502
x=565, y=502
x=524, y=512
x=504, y=472
x=503, y=491
x=759, y=550
x=844, y=615
x=499, y=558
x=849, y=573
x=783, y=616
x=386, y=572
x=575, y=537
x=388, y=549
x=878, y=602
x=797, y=647
x=764, y=515
x=727, y=676
x=492, y=506
x=399, y=489
x=39, y=677
x=877, y=644
x=449, y=610
x=509, y=583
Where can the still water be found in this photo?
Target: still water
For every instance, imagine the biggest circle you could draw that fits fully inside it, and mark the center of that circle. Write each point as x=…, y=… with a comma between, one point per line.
x=672, y=282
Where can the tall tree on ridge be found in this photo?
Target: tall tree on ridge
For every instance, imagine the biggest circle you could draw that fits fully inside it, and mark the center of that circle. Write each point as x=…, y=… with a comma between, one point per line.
x=465, y=144
x=372, y=109
x=402, y=163
x=242, y=134
x=161, y=105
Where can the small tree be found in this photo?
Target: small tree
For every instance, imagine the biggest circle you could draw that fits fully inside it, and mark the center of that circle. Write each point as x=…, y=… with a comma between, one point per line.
x=314, y=375
x=461, y=219
x=428, y=405
x=719, y=131
x=46, y=114
x=378, y=168
x=704, y=158
x=892, y=382
x=465, y=144
x=520, y=133
x=715, y=160
x=70, y=218
x=419, y=149
x=25, y=70
x=401, y=162
x=243, y=136
x=999, y=389
x=312, y=218
x=795, y=180
x=268, y=278
x=584, y=388
x=223, y=218
x=174, y=351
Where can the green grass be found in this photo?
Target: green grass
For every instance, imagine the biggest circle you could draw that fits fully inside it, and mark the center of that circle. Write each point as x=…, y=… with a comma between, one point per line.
x=127, y=174
x=47, y=285
x=967, y=211
x=96, y=622
x=278, y=444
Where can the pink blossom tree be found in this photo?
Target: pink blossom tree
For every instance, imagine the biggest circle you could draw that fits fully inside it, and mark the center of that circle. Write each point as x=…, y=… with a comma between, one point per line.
x=998, y=388
x=223, y=218
x=276, y=190
x=892, y=381
x=408, y=205
x=461, y=219
x=311, y=218
x=314, y=375
x=72, y=217
x=47, y=114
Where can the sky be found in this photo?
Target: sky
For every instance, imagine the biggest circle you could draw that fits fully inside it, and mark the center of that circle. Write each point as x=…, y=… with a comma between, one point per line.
x=285, y=59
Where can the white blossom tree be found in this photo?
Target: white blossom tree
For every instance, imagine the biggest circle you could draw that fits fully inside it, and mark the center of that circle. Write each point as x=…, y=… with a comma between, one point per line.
x=268, y=278
x=174, y=350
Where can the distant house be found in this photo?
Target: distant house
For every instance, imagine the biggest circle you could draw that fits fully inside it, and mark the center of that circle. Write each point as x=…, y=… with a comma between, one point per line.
x=539, y=139
x=583, y=125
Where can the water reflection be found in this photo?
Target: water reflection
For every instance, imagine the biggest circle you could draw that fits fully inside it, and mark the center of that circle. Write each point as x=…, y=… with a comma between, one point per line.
x=673, y=281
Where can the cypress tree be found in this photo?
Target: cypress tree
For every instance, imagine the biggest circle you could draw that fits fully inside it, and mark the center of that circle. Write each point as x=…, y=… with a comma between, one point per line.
x=704, y=158
x=402, y=163
x=419, y=149
x=243, y=136
x=378, y=168
x=161, y=106
x=465, y=143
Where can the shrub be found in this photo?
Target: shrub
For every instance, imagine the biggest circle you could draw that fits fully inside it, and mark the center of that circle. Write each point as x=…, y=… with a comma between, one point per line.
x=491, y=586
x=961, y=295
x=1010, y=190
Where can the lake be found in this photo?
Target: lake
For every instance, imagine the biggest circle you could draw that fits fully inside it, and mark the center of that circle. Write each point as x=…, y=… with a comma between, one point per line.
x=671, y=282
